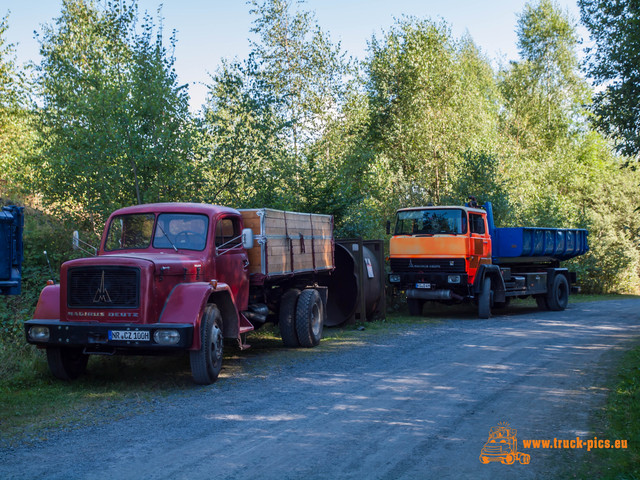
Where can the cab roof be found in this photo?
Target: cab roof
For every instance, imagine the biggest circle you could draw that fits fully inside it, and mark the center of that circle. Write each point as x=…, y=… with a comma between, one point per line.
x=444, y=207
x=176, y=207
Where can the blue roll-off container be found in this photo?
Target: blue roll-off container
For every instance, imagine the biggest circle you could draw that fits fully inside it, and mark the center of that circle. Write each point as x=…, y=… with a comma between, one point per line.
x=535, y=244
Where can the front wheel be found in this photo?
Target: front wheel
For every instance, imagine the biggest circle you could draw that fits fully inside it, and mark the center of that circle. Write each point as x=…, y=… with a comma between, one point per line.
x=484, y=299
x=415, y=306
x=309, y=318
x=67, y=363
x=206, y=363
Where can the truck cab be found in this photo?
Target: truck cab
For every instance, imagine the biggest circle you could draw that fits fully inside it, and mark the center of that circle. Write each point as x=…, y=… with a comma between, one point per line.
x=166, y=277
x=436, y=252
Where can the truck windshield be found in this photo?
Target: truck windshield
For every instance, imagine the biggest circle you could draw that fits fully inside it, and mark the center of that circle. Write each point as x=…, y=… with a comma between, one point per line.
x=431, y=222
x=182, y=231
x=130, y=231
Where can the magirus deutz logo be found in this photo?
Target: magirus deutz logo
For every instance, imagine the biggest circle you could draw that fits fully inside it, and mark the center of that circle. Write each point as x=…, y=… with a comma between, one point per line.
x=102, y=294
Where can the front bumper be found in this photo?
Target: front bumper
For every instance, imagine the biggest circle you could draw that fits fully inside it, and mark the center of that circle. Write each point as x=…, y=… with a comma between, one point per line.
x=94, y=337
x=431, y=282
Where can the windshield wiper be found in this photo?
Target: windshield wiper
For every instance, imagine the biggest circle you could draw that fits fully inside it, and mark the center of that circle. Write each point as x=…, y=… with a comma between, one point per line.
x=167, y=237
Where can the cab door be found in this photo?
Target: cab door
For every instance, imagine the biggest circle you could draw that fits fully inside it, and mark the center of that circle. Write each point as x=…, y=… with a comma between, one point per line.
x=231, y=259
x=480, y=243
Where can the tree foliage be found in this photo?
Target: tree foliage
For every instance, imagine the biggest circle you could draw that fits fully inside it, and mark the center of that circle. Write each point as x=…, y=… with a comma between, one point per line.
x=273, y=114
x=114, y=122
x=299, y=125
x=614, y=63
x=16, y=135
x=431, y=98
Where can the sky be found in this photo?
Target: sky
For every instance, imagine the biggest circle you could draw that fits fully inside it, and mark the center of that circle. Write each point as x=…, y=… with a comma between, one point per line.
x=209, y=30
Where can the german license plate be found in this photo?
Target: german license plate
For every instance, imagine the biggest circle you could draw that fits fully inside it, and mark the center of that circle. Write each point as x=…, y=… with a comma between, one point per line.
x=129, y=335
x=423, y=285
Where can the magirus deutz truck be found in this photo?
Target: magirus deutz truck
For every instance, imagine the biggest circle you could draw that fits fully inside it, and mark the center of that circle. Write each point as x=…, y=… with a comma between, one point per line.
x=182, y=278
x=452, y=254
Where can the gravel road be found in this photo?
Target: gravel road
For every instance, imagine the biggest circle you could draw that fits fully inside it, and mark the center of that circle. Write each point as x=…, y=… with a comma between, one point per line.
x=411, y=403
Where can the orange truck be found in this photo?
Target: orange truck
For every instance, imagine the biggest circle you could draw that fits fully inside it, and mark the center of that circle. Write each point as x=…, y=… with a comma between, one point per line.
x=454, y=254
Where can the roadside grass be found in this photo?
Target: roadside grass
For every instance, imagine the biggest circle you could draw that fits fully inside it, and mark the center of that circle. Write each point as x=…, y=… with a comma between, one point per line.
x=619, y=419
x=33, y=403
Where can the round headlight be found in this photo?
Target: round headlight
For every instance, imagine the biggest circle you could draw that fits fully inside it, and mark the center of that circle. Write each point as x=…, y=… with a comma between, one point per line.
x=394, y=278
x=166, y=337
x=39, y=334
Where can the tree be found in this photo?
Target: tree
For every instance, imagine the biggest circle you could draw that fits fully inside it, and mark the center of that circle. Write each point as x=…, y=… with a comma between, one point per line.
x=297, y=66
x=614, y=63
x=115, y=124
x=16, y=137
x=544, y=91
x=431, y=99
x=245, y=157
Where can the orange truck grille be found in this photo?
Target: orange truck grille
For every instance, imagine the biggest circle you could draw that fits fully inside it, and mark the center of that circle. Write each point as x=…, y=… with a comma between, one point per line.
x=431, y=265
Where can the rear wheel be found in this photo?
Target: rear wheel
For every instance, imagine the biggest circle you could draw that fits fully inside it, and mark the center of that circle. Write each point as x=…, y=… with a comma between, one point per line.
x=484, y=299
x=206, y=363
x=415, y=306
x=309, y=318
x=67, y=363
x=558, y=295
x=287, y=317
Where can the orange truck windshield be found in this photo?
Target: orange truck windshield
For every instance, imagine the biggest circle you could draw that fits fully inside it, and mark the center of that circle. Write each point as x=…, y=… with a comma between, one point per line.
x=431, y=221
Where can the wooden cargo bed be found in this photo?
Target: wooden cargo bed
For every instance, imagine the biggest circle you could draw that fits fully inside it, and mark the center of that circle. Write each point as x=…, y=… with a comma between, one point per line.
x=289, y=243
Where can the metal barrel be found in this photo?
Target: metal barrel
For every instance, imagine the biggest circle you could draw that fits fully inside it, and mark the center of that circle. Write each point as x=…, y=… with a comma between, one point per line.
x=356, y=287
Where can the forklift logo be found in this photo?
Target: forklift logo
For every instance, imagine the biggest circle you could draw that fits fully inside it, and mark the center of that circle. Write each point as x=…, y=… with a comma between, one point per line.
x=102, y=294
x=502, y=446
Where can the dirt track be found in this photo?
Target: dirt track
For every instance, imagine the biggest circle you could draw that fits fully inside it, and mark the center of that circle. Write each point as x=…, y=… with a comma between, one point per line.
x=415, y=403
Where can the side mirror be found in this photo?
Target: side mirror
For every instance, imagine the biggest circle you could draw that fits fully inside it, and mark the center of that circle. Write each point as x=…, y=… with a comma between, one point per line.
x=388, y=227
x=75, y=244
x=247, y=238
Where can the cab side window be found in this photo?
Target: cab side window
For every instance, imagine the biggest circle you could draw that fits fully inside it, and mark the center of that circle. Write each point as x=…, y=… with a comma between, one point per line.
x=476, y=222
x=228, y=234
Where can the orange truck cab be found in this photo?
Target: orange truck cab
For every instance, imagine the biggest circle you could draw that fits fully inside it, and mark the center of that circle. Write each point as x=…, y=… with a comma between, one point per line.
x=452, y=254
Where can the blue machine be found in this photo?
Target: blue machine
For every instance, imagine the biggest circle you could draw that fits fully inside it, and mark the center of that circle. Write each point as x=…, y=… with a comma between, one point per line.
x=11, y=249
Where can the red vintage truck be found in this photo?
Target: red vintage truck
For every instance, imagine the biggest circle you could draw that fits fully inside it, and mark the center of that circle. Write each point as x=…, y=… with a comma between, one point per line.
x=179, y=277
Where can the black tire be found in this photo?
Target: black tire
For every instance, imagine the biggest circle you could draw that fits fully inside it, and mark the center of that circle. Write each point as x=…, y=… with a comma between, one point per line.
x=67, y=363
x=484, y=299
x=287, y=318
x=541, y=301
x=558, y=295
x=415, y=306
x=206, y=363
x=309, y=318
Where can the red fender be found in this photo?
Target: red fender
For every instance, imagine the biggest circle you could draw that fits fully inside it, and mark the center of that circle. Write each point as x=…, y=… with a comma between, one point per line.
x=186, y=303
x=48, y=307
